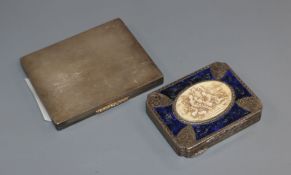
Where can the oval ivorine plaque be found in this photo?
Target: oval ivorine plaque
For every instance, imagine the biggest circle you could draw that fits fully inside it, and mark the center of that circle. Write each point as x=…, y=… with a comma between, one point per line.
x=203, y=102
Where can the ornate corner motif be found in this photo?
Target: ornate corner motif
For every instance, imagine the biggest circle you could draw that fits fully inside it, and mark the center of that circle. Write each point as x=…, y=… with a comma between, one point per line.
x=157, y=99
x=251, y=104
x=219, y=69
x=186, y=137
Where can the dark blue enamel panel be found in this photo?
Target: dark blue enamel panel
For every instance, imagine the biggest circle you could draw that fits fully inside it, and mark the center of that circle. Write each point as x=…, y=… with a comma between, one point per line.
x=202, y=130
x=239, y=89
x=168, y=117
x=234, y=114
x=174, y=90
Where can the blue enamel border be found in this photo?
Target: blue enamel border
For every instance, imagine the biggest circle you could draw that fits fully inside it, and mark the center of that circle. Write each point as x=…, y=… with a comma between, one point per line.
x=168, y=117
x=202, y=130
x=171, y=121
x=234, y=114
x=239, y=89
x=173, y=91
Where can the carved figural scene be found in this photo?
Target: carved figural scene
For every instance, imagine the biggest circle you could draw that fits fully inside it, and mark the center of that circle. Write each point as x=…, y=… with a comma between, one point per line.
x=203, y=101
x=203, y=108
